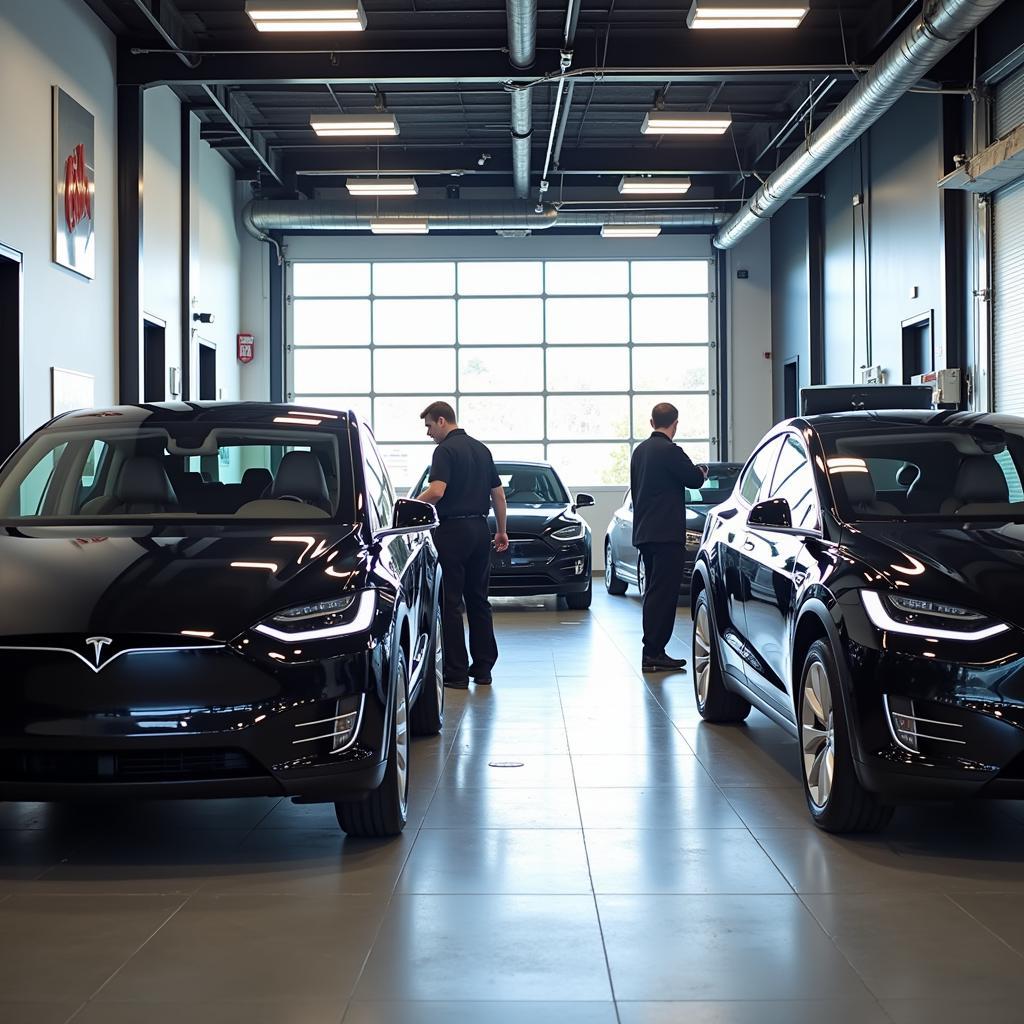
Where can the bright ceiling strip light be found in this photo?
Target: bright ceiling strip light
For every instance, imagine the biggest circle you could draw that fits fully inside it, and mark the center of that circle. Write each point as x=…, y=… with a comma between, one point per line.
x=630, y=230
x=654, y=186
x=382, y=186
x=306, y=15
x=746, y=14
x=883, y=620
x=333, y=126
x=399, y=227
x=679, y=122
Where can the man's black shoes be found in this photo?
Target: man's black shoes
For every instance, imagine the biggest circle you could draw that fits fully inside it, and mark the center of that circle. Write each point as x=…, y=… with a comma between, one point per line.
x=482, y=680
x=457, y=684
x=662, y=663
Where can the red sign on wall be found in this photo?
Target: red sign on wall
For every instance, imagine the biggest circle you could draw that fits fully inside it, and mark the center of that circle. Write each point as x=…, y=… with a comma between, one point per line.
x=246, y=348
x=77, y=189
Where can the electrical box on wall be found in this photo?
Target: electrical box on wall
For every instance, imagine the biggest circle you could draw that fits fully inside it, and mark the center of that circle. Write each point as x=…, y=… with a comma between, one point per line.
x=946, y=385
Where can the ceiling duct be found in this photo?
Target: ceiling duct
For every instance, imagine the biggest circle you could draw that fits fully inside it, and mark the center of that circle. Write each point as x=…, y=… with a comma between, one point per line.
x=940, y=26
x=522, y=50
x=289, y=215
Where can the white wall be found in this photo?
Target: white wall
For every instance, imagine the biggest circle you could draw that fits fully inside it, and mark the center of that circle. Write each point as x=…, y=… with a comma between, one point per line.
x=69, y=321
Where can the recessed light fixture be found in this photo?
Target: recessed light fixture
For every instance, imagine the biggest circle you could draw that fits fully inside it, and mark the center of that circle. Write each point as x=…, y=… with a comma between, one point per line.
x=679, y=122
x=747, y=13
x=306, y=15
x=399, y=227
x=630, y=230
x=349, y=125
x=382, y=186
x=654, y=186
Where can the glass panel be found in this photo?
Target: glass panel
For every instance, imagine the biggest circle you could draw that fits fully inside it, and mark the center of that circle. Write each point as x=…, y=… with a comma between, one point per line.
x=587, y=277
x=332, y=369
x=530, y=485
x=501, y=369
x=699, y=451
x=331, y=278
x=503, y=418
x=588, y=321
x=685, y=369
x=413, y=370
x=588, y=369
x=670, y=277
x=414, y=321
x=331, y=322
x=414, y=278
x=670, y=320
x=493, y=278
x=694, y=414
x=580, y=465
x=398, y=419
x=720, y=482
x=405, y=464
x=588, y=416
x=794, y=481
x=359, y=404
x=501, y=321
x=507, y=452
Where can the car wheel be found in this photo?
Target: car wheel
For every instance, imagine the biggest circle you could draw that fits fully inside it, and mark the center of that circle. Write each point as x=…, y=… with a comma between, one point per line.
x=641, y=574
x=612, y=583
x=427, y=715
x=836, y=799
x=715, y=703
x=580, y=602
x=384, y=810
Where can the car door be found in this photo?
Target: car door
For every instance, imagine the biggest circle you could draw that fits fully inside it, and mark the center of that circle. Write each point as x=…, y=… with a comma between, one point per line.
x=776, y=562
x=622, y=539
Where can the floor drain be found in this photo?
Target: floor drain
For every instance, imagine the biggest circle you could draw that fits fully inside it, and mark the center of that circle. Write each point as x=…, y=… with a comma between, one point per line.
x=504, y=764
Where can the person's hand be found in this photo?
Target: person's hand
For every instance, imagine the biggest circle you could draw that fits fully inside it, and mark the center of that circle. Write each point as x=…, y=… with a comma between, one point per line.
x=501, y=542
x=704, y=469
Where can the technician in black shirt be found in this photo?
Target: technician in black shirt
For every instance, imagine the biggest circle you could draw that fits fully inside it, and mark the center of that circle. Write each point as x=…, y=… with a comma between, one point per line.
x=658, y=475
x=463, y=485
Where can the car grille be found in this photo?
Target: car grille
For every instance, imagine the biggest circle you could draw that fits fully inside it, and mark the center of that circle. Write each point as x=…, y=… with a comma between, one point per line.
x=126, y=766
x=521, y=579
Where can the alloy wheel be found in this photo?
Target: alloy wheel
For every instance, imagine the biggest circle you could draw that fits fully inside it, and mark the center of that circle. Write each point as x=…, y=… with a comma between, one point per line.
x=438, y=663
x=609, y=569
x=817, y=734
x=702, y=653
x=641, y=575
x=402, y=746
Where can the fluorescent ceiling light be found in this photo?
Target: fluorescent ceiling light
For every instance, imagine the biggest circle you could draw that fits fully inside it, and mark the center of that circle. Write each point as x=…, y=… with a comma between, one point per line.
x=348, y=125
x=654, y=186
x=399, y=227
x=679, y=122
x=630, y=230
x=307, y=15
x=382, y=186
x=747, y=13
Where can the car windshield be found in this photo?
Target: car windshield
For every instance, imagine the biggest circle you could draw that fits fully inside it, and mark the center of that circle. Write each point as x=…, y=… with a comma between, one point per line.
x=89, y=470
x=930, y=471
x=718, y=486
x=527, y=484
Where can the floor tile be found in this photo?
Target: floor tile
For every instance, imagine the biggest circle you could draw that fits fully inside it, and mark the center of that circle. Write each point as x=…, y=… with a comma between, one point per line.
x=526, y=771
x=481, y=1012
x=294, y=1012
x=953, y=1011
x=770, y=808
x=999, y=912
x=757, y=1011
x=661, y=807
x=503, y=808
x=37, y=1013
x=608, y=771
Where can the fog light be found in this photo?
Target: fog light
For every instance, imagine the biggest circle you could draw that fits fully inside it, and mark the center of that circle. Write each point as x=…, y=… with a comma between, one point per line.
x=903, y=722
x=341, y=729
x=579, y=566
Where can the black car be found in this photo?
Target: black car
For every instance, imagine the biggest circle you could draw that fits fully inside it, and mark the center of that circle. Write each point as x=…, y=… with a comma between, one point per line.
x=549, y=543
x=215, y=600
x=622, y=562
x=863, y=588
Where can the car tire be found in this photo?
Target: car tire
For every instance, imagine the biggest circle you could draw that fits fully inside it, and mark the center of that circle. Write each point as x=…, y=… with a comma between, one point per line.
x=384, y=811
x=427, y=715
x=836, y=799
x=581, y=602
x=641, y=574
x=715, y=703
x=612, y=583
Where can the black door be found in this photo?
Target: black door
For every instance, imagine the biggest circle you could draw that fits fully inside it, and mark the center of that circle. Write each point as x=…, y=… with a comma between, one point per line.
x=11, y=371
x=207, y=373
x=154, y=361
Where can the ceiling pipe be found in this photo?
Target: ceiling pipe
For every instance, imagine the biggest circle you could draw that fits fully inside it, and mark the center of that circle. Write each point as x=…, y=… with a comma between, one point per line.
x=558, y=118
x=940, y=26
x=265, y=215
x=522, y=51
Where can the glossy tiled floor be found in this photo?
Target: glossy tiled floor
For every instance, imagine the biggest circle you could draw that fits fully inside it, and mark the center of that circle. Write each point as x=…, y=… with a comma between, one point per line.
x=637, y=867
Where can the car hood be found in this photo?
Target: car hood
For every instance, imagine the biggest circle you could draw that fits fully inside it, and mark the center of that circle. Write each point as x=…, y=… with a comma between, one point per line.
x=979, y=565
x=530, y=519
x=166, y=580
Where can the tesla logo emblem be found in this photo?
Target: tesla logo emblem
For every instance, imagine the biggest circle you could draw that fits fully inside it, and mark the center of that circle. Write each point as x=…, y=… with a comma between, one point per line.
x=98, y=643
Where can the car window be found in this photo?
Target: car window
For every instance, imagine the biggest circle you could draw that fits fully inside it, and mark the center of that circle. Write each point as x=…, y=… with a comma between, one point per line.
x=794, y=481
x=378, y=484
x=716, y=489
x=758, y=473
x=527, y=484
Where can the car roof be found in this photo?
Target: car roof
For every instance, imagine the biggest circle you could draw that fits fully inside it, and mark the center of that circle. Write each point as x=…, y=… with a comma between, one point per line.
x=839, y=423
x=241, y=413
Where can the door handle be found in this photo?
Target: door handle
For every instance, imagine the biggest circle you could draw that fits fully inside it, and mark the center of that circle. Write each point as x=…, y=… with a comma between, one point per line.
x=748, y=545
x=799, y=577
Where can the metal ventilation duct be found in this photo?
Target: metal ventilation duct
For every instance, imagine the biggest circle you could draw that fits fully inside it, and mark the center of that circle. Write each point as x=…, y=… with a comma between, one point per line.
x=522, y=50
x=941, y=25
x=263, y=215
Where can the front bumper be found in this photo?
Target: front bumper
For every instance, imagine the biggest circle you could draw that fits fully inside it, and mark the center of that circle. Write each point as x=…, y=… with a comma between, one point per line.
x=533, y=566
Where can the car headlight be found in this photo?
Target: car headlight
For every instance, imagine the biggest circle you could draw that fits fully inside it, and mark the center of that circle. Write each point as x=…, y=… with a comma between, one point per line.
x=568, y=533
x=915, y=616
x=323, y=620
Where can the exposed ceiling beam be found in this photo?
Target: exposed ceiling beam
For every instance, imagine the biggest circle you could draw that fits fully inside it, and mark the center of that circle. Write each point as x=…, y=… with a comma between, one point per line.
x=226, y=103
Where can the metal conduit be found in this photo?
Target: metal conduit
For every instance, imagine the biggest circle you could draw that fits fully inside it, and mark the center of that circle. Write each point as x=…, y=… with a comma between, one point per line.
x=522, y=50
x=941, y=25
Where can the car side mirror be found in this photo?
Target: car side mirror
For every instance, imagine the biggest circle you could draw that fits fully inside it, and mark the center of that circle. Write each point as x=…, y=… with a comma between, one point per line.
x=584, y=500
x=410, y=516
x=773, y=514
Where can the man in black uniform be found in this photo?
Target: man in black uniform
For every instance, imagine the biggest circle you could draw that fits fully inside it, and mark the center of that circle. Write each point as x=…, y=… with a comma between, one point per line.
x=659, y=472
x=463, y=484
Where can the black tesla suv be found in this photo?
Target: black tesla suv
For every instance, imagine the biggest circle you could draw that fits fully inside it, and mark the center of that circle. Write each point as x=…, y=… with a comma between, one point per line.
x=862, y=588
x=215, y=600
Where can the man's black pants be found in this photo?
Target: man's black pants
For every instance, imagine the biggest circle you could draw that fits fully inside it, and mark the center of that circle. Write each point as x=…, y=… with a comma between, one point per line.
x=464, y=548
x=663, y=563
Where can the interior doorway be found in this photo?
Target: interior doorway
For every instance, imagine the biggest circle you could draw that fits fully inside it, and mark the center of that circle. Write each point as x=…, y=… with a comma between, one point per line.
x=154, y=359
x=207, y=371
x=11, y=367
x=791, y=388
x=918, y=346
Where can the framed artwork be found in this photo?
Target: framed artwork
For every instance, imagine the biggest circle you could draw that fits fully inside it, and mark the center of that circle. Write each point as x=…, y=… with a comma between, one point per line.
x=74, y=185
x=69, y=390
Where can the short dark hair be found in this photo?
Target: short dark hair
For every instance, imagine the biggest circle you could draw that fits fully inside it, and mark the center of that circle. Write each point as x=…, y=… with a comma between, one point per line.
x=438, y=409
x=664, y=414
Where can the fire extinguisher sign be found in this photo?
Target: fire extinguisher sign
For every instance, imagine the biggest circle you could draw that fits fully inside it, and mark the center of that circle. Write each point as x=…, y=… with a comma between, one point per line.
x=246, y=348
